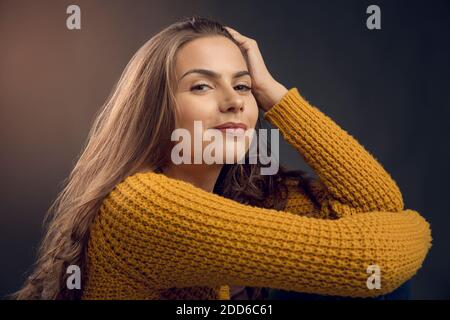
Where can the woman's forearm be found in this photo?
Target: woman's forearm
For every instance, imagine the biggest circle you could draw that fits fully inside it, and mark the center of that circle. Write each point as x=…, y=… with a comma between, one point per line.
x=355, y=180
x=168, y=233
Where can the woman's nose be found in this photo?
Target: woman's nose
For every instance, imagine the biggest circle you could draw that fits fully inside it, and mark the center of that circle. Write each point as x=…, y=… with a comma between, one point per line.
x=232, y=102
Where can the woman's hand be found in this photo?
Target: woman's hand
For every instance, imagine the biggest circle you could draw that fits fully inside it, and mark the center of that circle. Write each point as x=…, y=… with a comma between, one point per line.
x=265, y=88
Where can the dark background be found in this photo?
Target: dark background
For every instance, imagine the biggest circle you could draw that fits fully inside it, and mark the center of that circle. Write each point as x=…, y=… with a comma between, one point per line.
x=389, y=88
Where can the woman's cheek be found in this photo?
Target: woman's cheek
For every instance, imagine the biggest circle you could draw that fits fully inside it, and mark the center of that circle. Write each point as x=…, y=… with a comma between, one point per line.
x=189, y=111
x=253, y=112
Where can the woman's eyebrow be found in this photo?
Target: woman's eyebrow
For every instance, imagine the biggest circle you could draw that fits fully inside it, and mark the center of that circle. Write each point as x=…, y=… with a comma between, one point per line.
x=213, y=74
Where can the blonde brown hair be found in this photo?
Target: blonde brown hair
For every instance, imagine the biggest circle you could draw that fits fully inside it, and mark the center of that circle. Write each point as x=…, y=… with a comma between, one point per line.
x=131, y=131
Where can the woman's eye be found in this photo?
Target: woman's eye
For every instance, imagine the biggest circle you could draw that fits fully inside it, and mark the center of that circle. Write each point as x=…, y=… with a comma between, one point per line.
x=204, y=87
x=200, y=87
x=243, y=87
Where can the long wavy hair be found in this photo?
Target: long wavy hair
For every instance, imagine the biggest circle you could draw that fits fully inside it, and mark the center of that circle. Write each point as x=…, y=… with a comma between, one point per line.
x=132, y=130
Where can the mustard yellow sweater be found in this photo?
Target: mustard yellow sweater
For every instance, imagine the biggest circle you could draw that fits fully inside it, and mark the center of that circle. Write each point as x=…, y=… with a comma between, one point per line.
x=161, y=238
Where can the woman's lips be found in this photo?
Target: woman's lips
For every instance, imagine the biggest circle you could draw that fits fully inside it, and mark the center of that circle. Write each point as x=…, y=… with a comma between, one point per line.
x=231, y=125
x=232, y=130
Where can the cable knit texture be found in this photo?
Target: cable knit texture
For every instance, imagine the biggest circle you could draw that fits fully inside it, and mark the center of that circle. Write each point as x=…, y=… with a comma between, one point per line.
x=160, y=238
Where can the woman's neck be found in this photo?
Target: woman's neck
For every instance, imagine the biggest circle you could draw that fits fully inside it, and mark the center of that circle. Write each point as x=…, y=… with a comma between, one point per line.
x=201, y=176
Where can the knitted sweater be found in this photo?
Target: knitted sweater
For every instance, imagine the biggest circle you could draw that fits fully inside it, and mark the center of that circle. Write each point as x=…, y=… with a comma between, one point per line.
x=160, y=238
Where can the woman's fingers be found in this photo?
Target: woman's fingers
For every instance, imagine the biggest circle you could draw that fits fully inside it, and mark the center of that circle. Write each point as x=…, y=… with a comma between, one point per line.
x=264, y=87
x=243, y=41
x=255, y=59
x=236, y=35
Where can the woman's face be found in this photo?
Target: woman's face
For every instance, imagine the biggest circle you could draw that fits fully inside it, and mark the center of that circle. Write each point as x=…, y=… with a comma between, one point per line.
x=214, y=87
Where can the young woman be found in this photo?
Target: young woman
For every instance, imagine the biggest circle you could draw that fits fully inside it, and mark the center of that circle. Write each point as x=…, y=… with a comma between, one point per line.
x=140, y=226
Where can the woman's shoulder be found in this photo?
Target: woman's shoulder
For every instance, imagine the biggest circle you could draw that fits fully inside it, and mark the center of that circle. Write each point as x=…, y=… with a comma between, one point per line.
x=135, y=189
x=151, y=187
x=144, y=180
x=132, y=200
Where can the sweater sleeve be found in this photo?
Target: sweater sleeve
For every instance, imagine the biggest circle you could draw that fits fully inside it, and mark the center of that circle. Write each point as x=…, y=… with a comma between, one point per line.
x=351, y=179
x=168, y=233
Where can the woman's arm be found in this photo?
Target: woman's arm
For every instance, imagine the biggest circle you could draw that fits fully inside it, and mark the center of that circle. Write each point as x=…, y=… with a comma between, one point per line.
x=167, y=233
x=353, y=180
